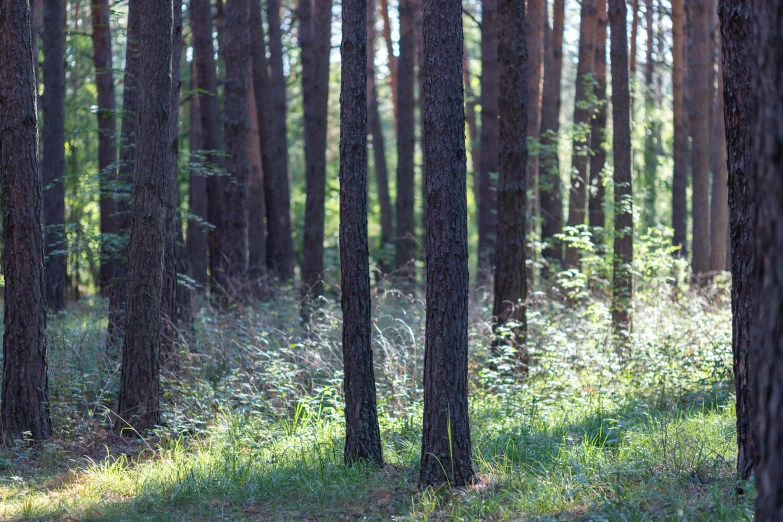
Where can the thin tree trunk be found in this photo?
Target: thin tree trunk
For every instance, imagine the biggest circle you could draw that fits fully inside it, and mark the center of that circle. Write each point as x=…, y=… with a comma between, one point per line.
x=419, y=29
x=719, y=222
x=470, y=116
x=392, y=59
x=536, y=20
x=595, y=204
x=197, y=245
x=362, y=434
x=650, y=149
x=256, y=206
x=446, y=450
x=634, y=37
x=25, y=399
x=680, y=152
x=139, y=404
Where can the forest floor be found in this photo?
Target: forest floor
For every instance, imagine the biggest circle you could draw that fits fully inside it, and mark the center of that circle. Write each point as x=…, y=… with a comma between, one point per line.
x=253, y=420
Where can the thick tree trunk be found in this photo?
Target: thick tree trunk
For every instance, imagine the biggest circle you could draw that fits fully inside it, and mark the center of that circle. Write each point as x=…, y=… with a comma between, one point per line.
x=53, y=163
x=315, y=37
x=680, y=152
x=577, y=202
x=650, y=216
x=406, y=143
x=595, y=204
x=719, y=202
x=446, y=451
x=739, y=55
x=197, y=245
x=362, y=435
x=392, y=59
x=550, y=183
x=280, y=248
x=490, y=135
x=139, y=404
x=510, y=273
x=25, y=399
x=107, y=134
x=622, y=278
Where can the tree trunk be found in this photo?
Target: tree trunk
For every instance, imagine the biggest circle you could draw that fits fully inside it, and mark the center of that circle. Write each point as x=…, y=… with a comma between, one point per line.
x=139, y=404
x=680, y=152
x=107, y=134
x=622, y=278
x=256, y=207
x=719, y=211
x=634, y=37
x=739, y=111
x=419, y=29
x=510, y=273
x=362, y=435
x=406, y=143
x=53, y=163
x=446, y=452
x=315, y=38
x=650, y=153
x=550, y=183
x=25, y=400
x=470, y=116
x=577, y=203
x=197, y=245
x=392, y=59
x=595, y=204
x=536, y=19
x=490, y=135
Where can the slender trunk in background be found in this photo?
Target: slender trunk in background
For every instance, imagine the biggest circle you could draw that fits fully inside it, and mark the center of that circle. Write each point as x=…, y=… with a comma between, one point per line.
x=315, y=32
x=490, y=132
x=280, y=247
x=535, y=21
x=378, y=147
x=392, y=59
x=577, y=202
x=510, y=273
x=550, y=184
x=197, y=245
x=700, y=103
x=25, y=397
x=53, y=162
x=139, y=404
x=419, y=28
x=406, y=144
x=256, y=206
x=622, y=277
x=739, y=55
x=650, y=152
x=446, y=450
x=719, y=212
x=595, y=204
x=362, y=434
x=107, y=134
x=680, y=149
x=632, y=62
x=470, y=116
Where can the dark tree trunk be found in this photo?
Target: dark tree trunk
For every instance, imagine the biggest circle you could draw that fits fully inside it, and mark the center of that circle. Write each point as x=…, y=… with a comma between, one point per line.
x=53, y=163
x=280, y=248
x=406, y=143
x=536, y=20
x=577, y=202
x=197, y=245
x=315, y=37
x=107, y=134
x=622, y=278
x=446, y=452
x=510, y=277
x=701, y=89
x=256, y=206
x=378, y=145
x=237, y=125
x=490, y=133
x=719, y=202
x=739, y=111
x=25, y=400
x=550, y=184
x=650, y=216
x=680, y=152
x=418, y=26
x=595, y=204
x=139, y=404
x=362, y=434
x=768, y=330
x=387, y=36
x=35, y=33
x=470, y=117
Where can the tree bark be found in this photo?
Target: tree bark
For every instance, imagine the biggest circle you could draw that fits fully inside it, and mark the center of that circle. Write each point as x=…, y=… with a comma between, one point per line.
x=139, y=404
x=362, y=434
x=53, y=163
x=470, y=116
x=595, y=204
x=680, y=152
x=25, y=399
x=392, y=59
x=536, y=19
x=256, y=207
x=739, y=54
x=446, y=451
x=650, y=150
x=197, y=245
x=634, y=39
x=719, y=202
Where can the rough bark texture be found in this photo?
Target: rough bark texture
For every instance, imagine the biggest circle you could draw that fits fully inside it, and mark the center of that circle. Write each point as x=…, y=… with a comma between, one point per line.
x=536, y=19
x=256, y=206
x=719, y=202
x=197, y=245
x=107, y=133
x=25, y=400
x=362, y=435
x=768, y=278
x=595, y=204
x=139, y=404
x=551, y=196
x=280, y=248
x=680, y=152
x=446, y=452
x=577, y=202
x=392, y=59
x=315, y=32
x=510, y=276
x=739, y=111
x=406, y=143
x=53, y=162
x=622, y=278
x=650, y=150
x=490, y=136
